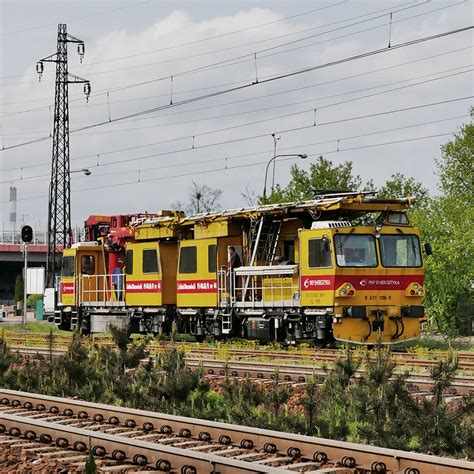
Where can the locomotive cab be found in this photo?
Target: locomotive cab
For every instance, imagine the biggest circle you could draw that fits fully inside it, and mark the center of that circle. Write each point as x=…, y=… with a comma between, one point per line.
x=362, y=283
x=79, y=283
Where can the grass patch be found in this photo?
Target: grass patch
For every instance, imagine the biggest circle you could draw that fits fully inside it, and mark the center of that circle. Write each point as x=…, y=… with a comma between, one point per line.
x=437, y=343
x=38, y=328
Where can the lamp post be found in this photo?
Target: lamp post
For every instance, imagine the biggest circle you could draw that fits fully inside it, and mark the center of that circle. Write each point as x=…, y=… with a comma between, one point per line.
x=86, y=171
x=301, y=155
x=51, y=242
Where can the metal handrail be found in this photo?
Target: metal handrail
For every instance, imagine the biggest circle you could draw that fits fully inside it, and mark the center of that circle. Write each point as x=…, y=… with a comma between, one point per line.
x=102, y=289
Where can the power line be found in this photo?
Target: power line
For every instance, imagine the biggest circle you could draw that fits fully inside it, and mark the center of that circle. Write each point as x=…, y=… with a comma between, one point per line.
x=250, y=56
x=106, y=12
x=407, y=140
x=190, y=43
x=225, y=168
x=332, y=81
x=212, y=160
x=286, y=104
x=252, y=137
x=264, y=81
x=339, y=141
x=297, y=103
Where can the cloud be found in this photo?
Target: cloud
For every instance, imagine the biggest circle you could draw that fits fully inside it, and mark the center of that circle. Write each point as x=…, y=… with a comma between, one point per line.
x=149, y=54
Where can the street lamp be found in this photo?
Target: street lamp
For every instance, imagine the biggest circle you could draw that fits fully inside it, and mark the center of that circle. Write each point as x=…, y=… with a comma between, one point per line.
x=86, y=171
x=301, y=155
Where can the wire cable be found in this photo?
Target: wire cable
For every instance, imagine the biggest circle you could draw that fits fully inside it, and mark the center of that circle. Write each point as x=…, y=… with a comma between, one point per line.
x=264, y=81
x=338, y=140
x=252, y=137
x=332, y=81
x=225, y=168
x=288, y=104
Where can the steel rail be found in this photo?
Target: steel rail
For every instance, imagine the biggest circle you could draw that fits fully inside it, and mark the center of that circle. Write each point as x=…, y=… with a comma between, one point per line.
x=239, y=354
x=140, y=452
x=303, y=373
x=303, y=449
x=21, y=338
x=398, y=358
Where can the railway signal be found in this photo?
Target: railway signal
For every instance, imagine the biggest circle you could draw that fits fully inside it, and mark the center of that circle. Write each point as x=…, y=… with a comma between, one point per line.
x=26, y=237
x=26, y=234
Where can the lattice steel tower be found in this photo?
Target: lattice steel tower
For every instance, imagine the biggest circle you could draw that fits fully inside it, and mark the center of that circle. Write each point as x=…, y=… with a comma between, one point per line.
x=59, y=208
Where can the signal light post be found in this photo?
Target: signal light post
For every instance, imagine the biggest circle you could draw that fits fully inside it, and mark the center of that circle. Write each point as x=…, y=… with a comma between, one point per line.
x=26, y=237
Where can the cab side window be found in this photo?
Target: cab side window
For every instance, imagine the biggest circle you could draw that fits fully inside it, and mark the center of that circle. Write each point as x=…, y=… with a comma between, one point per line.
x=68, y=266
x=88, y=264
x=129, y=262
x=318, y=255
x=188, y=260
x=212, y=258
x=150, y=261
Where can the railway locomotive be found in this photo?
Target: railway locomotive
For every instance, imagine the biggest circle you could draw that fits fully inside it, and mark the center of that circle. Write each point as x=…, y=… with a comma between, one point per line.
x=344, y=267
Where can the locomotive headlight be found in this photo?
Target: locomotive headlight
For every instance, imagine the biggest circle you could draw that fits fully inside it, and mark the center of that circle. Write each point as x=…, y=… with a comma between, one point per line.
x=346, y=289
x=416, y=286
x=420, y=291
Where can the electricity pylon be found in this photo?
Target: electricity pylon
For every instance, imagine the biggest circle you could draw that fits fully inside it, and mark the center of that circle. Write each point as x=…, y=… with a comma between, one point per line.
x=59, y=207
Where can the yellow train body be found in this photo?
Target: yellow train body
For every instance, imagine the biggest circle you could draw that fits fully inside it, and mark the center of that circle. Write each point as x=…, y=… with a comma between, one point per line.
x=319, y=269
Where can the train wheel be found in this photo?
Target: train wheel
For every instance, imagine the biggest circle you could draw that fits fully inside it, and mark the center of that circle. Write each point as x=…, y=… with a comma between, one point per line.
x=320, y=343
x=65, y=324
x=85, y=324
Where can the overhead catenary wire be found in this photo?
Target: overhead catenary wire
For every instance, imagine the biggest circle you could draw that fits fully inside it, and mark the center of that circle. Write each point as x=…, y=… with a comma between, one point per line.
x=274, y=78
x=288, y=104
x=226, y=167
x=339, y=140
x=193, y=42
x=332, y=81
x=250, y=55
x=116, y=162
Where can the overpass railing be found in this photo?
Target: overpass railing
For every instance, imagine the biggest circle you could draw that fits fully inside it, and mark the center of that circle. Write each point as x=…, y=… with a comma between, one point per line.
x=13, y=237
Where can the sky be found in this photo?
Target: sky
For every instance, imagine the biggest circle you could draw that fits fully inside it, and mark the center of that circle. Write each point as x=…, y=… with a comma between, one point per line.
x=153, y=123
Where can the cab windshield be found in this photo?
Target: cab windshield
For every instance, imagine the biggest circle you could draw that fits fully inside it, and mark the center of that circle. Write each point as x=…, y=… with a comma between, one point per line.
x=355, y=250
x=400, y=250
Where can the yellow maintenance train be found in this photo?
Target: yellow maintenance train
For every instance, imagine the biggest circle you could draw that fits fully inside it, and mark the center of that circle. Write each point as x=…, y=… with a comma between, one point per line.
x=345, y=266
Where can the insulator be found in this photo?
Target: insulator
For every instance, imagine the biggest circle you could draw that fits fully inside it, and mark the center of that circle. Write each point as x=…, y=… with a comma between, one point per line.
x=81, y=49
x=87, y=90
x=39, y=69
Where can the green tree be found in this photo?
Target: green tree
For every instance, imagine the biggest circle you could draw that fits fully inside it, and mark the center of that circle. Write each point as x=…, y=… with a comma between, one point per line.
x=19, y=288
x=399, y=186
x=443, y=429
x=456, y=166
x=446, y=223
x=322, y=175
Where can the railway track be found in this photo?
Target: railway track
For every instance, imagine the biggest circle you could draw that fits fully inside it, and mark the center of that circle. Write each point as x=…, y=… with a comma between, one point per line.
x=129, y=439
x=307, y=356
x=287, y=372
